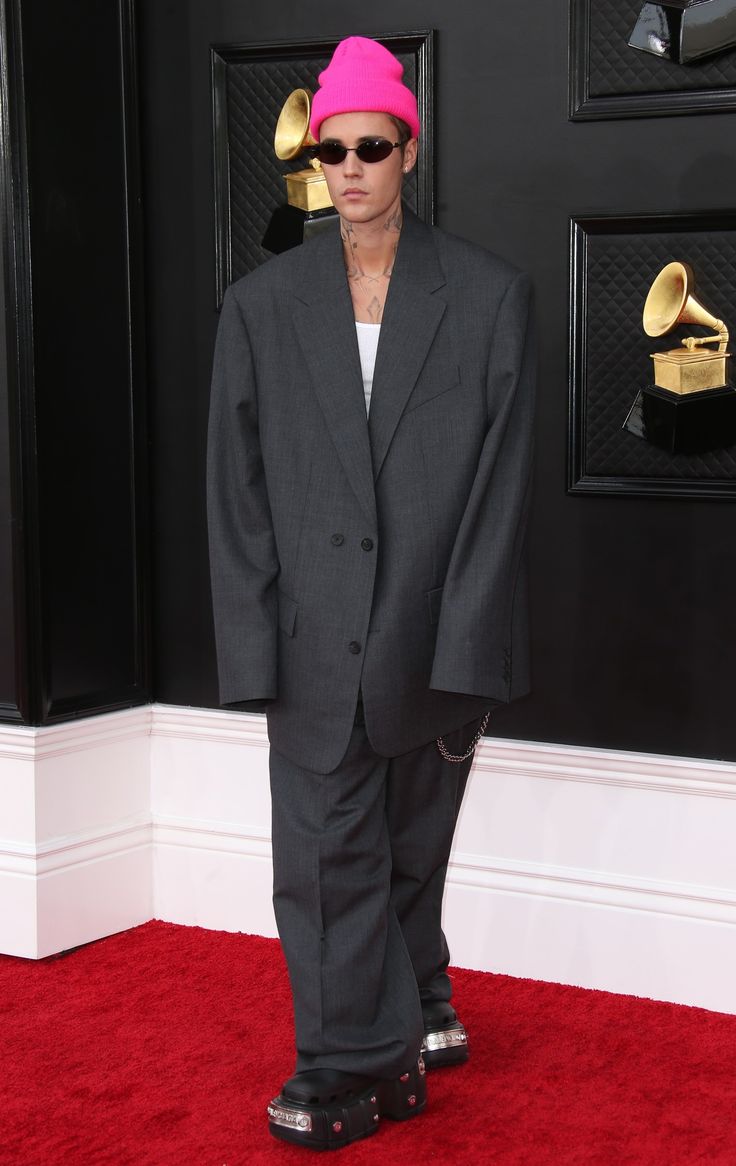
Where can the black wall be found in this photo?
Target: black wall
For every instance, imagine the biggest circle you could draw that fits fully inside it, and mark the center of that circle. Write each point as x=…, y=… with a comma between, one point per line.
x=632, y=597
x=14, y=326
x=73, y=573
x=7, y=609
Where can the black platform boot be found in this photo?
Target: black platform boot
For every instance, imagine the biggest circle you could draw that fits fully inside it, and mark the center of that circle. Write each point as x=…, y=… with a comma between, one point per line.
x=325, y=1109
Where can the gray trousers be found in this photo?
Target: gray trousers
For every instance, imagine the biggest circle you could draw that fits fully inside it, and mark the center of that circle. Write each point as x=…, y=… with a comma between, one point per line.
x=360, y=857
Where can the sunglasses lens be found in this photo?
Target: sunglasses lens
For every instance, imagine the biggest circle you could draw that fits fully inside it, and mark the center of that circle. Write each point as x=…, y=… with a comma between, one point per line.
x=330, y=153
x=374, y=151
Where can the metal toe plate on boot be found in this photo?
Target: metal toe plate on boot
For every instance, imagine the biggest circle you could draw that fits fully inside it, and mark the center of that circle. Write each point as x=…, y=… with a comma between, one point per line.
x=290, y=1119
x=444, y=1040
x=445, y=1046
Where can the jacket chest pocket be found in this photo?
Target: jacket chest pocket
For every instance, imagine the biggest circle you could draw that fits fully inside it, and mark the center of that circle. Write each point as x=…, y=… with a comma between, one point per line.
x=435, y=382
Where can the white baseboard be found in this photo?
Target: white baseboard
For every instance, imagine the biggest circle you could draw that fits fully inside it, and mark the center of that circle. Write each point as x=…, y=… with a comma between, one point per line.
x=75, y=832
x=600, y=868
x=658, y=940
x=209, y=874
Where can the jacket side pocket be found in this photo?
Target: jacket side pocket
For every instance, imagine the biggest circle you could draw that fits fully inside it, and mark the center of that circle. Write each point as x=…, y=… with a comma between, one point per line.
x=434, y=604
x=287, y=614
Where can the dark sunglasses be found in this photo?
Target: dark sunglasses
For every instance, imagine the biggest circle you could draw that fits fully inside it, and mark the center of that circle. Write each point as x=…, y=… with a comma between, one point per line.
x=371, y=150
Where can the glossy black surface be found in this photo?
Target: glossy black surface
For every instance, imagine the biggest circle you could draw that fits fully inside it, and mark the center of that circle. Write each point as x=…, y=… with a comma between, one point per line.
x=18, y=576
x=290, y=226
x=76, y=420
x=8, y=679
x=8, y=689
x=694, y=423
x=686, y=32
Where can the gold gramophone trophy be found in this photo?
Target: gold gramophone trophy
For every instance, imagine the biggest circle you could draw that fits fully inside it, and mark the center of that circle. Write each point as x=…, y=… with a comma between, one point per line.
x=691, y=407
x=309, y=204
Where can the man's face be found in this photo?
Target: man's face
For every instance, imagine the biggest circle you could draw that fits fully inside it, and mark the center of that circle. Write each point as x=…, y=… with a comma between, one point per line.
x=364, y=192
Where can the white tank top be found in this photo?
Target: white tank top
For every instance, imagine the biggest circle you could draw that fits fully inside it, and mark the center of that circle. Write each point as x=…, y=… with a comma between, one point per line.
x=368, y=335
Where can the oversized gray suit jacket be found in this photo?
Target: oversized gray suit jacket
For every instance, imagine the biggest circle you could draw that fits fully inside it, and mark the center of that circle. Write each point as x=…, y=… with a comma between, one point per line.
x=382, y=555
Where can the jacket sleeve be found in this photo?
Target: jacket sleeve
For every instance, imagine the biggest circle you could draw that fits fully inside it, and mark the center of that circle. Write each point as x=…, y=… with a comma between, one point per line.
x=482, y=634
x=243, y=559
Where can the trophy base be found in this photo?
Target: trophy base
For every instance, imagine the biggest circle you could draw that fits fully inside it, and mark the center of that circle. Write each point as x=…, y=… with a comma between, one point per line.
x=695, y=423
x=685, y=31
x=290, y=226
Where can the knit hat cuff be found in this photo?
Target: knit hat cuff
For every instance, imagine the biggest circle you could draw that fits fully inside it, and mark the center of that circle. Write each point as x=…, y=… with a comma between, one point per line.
x=363, y=76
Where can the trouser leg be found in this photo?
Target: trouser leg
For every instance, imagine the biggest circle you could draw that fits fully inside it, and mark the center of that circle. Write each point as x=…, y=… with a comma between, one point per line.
x=424, y=795
x=356, y=1004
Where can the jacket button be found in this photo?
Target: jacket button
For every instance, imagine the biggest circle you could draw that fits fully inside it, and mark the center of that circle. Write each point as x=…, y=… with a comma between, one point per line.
x=367, y=544
x=337, y=540
x=354, y=647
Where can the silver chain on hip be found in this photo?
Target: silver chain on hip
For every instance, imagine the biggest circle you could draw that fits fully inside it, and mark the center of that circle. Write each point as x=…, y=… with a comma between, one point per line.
x=457, y=757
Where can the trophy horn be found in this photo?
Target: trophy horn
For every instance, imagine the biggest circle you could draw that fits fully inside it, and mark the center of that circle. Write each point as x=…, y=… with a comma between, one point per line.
x=672, y=301
x=292, y=129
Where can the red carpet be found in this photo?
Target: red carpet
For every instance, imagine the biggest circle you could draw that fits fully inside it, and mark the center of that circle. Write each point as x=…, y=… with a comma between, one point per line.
x=163, y=1045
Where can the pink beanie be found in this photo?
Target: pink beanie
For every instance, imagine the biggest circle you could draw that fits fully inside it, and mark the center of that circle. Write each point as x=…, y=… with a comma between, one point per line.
x=363, y=75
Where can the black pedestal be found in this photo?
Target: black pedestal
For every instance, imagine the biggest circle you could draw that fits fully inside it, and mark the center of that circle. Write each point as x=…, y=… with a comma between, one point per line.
x=694, y=423
x=685, y=32
x=290, y=226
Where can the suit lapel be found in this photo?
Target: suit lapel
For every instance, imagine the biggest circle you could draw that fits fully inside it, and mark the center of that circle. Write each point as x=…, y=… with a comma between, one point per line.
x=325, y=325
x=410, y=321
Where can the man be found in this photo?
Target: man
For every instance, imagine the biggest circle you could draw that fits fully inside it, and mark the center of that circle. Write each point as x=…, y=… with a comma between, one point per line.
x=370, y=450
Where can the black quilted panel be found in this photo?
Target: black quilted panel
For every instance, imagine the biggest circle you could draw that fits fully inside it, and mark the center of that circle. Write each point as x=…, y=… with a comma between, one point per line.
x=620, y=271
x=617, y=69
x=255, y=92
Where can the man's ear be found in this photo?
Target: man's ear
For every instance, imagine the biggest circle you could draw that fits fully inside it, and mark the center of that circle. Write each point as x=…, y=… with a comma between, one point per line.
x=410, y=155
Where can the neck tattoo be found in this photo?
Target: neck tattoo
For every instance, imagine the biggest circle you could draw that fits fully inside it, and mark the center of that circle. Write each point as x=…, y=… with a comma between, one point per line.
x=368, y=289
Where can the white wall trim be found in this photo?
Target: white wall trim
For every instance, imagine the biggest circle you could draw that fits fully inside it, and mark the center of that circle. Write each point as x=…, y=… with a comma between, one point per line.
x=185, y=723
x=710, y=904
x=498, y=755
x=218, y=837
x=580, y=865
x=86, y=847
x=17, y=744
x=648, y=771
x=707, y=904
x=72, y=737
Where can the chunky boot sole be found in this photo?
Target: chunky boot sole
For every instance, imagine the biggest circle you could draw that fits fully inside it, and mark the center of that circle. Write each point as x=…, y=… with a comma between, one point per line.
x=444, y=1046
x=331, y=1122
